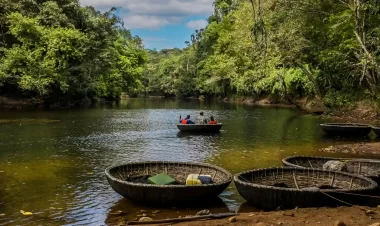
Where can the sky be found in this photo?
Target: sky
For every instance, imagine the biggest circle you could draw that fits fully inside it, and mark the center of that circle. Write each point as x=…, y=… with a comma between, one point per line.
x=162, y=24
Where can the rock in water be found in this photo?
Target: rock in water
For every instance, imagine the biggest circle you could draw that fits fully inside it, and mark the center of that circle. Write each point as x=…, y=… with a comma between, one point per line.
x=335, y=165
x=339, y=223
x=145, y=219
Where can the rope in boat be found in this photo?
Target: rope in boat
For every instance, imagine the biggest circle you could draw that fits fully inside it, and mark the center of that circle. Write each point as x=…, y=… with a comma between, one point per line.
x=347, y=202
x=336, y=198
x=348, y=193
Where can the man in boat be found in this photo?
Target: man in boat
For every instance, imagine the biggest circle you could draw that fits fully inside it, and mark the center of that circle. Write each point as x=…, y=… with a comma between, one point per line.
x=201, y=119
x=186, y=120
x=212, y=121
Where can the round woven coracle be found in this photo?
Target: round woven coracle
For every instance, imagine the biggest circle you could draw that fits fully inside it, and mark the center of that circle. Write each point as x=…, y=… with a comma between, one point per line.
x=376, y=129
x=287, y=187
x=346, y=129
x=365, y=167
x=122, y=180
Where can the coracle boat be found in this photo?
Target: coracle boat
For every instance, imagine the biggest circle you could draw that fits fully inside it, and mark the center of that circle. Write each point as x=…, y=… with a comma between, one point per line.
x=127, y=180
x=366, y=167
x=346, y=129
x=376, y=130
x=200, y=128
x=288, y=187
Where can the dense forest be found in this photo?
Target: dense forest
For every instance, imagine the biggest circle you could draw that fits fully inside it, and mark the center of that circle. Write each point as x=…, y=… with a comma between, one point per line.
x=328, y=50
x=58, y=51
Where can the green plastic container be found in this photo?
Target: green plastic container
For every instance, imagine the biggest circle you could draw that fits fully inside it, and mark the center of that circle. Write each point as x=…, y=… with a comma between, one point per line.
x=161, y=179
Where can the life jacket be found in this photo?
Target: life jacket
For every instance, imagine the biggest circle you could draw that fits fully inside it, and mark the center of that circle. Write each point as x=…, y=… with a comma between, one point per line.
x=184, y=121
x=212, y=122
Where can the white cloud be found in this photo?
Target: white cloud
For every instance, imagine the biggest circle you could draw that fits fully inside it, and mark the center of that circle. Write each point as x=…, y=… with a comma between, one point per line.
x=103, y=5
x=148, y=22
x=156, y=7
x=154, y=13
x=197, y=24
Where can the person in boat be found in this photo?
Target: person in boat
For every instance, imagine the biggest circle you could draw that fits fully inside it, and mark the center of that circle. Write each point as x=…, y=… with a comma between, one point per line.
x=201, y=119
x=212, y=121
x=186, y=120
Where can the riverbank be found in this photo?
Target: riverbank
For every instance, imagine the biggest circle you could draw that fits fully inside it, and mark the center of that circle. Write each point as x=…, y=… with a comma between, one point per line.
x=340, y=216
x=39, y=103
x=358, y=149
x=362, y=111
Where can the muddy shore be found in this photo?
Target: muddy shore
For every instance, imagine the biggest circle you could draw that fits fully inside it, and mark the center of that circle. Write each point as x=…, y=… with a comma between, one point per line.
x=340, y=216
x=357, y=149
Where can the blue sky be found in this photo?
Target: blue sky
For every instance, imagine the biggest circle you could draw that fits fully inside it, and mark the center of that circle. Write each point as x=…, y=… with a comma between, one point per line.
x=160, y=23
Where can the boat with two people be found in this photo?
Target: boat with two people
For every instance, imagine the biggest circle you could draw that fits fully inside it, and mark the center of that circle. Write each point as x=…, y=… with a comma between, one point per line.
x=202, y=126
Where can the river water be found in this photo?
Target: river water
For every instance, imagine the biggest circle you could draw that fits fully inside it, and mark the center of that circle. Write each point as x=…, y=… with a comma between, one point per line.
x=52, y=162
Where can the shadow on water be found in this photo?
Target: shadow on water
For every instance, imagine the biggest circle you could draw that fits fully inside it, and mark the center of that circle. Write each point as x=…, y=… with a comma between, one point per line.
x=125, y=210
x=191, y=134
x=286, y=125
x=351, y=139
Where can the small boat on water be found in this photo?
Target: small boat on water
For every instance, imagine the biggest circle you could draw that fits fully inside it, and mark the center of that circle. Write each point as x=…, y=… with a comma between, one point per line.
x=200, y=128
x=365, y=167
x=346, y=129
x=129, y=180
x=288, y=187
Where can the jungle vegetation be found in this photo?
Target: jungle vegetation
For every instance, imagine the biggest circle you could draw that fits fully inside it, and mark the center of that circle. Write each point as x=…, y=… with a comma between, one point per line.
x=325, y=49
x=59, y=51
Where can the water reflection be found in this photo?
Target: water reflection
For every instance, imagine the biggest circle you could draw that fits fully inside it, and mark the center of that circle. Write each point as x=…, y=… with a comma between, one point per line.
x=124, y=210
x=53, y=165
x=181, y=134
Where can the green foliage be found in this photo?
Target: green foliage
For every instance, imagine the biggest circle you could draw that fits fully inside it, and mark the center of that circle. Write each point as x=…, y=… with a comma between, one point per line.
x=339, y=99
x=292, y=48
x=58, y=50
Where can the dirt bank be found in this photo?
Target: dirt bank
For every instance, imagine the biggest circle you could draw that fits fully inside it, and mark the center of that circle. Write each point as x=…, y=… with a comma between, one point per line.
x=12, y=103
x=361, y=112
x=350, y=216
x=309, y=105
x=358, y=149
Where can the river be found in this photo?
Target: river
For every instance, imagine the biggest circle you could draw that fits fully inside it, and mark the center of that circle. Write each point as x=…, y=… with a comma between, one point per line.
x=52, y=162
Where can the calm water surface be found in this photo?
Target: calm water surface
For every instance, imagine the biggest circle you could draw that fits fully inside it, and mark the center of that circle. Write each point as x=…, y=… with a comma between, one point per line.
x=52, y=162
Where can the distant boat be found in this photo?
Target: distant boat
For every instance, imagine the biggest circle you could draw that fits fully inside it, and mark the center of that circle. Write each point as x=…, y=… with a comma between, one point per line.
x=200, y=128
x=346, y=129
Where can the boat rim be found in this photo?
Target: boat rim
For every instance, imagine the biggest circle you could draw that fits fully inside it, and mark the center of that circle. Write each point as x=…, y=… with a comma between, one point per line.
x=372, y=186
x=218, y=124
x=360, y=125
x=228, y=179
x=326, y=157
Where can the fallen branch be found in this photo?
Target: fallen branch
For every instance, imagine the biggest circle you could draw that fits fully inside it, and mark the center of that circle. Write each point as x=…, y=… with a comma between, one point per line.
x=176, y=220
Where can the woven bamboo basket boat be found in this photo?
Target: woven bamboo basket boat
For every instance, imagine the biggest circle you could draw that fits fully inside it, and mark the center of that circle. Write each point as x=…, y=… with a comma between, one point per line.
x=346, y=129
x=365, y=167
x=376, y=129
x=120, y=178
x=288, y=187
x=200, y=128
